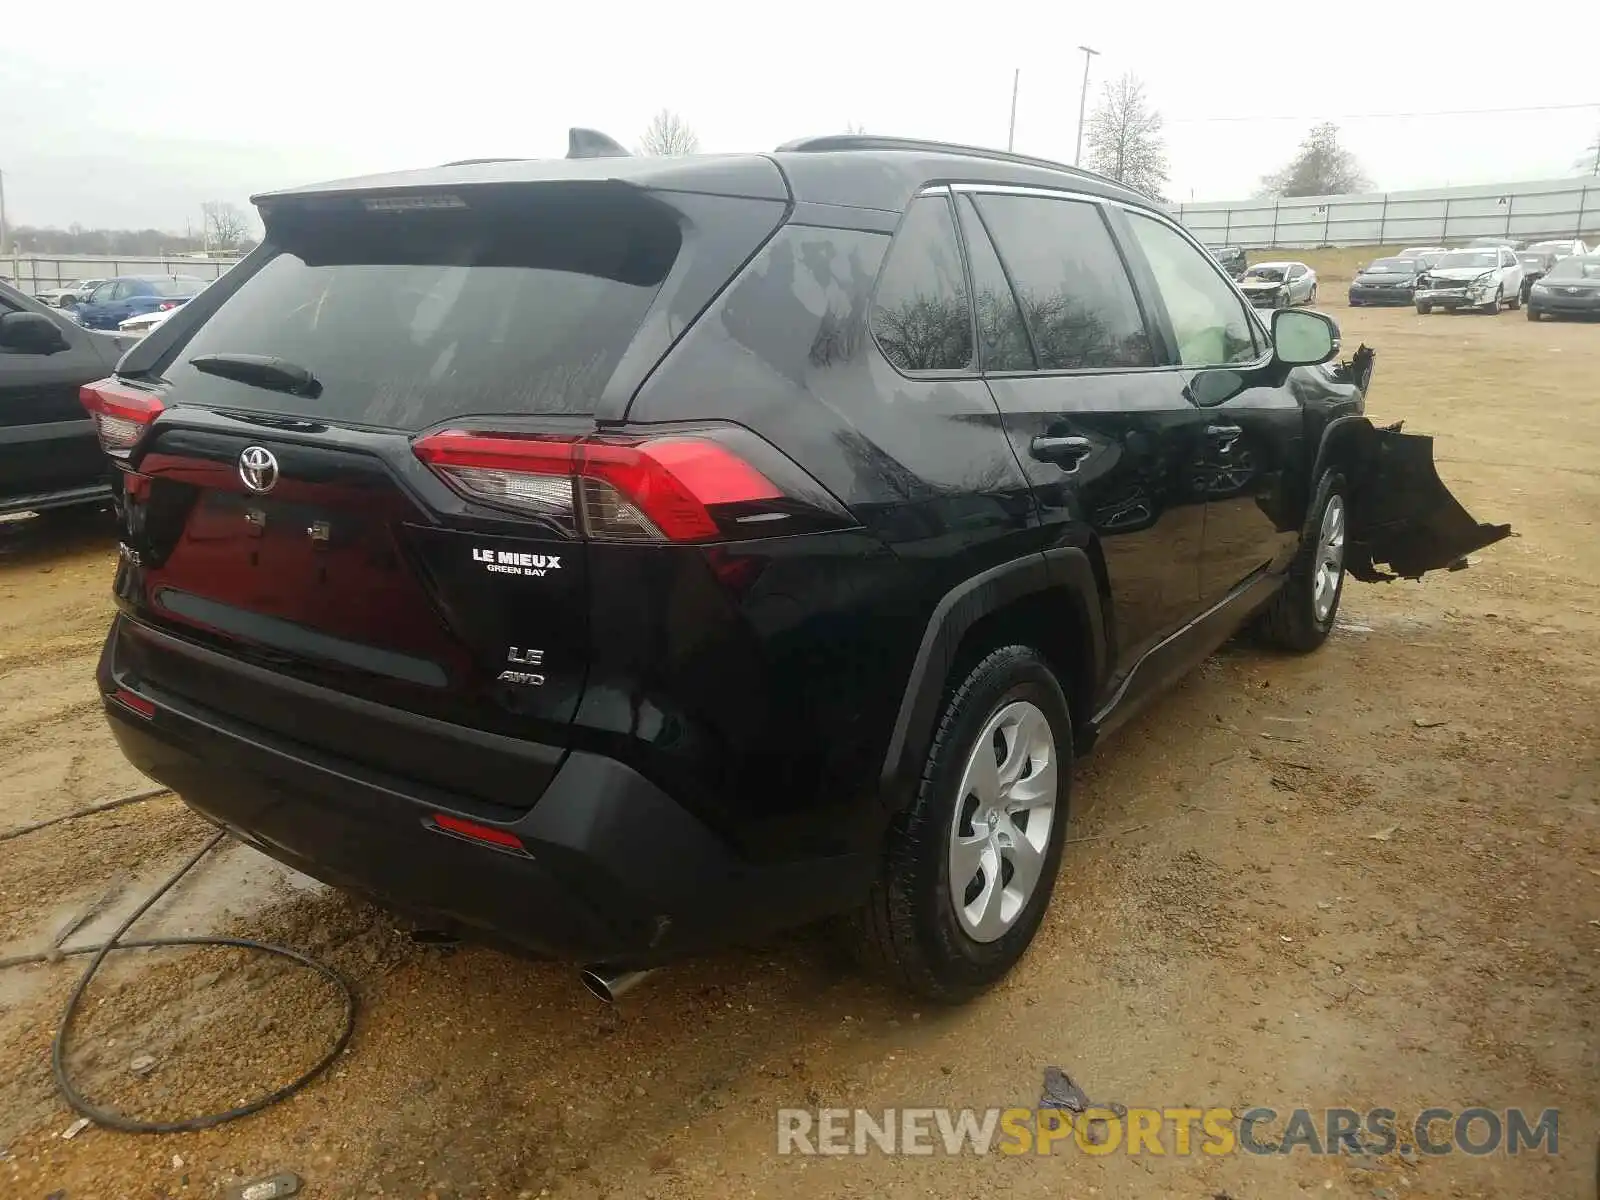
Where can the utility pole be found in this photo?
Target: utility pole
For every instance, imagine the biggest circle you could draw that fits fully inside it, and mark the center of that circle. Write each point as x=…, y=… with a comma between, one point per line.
x=5, y=238
x=1083, y=101
x=1011, y=133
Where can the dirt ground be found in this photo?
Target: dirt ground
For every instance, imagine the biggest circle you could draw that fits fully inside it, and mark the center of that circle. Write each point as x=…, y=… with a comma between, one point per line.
x=1227, y=931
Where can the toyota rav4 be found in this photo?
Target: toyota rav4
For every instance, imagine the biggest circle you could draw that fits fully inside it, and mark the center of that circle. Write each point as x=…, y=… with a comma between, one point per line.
x=618, y=557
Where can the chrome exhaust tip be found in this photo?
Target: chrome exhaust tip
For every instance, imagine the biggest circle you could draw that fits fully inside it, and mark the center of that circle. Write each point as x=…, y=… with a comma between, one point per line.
x=610, y=984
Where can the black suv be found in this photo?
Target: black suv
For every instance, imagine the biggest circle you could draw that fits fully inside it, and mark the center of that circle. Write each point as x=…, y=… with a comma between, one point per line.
x=49, y=457
x=620, y=557
x=1231, y=258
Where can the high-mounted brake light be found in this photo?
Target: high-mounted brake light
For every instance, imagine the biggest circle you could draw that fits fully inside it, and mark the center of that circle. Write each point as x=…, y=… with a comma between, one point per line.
x=618, y=488
x=121, y=413
x=422, y=203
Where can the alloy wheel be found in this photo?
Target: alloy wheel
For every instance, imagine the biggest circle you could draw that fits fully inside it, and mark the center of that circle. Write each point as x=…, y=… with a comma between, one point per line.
x=1330, y=558
x=1003, y=815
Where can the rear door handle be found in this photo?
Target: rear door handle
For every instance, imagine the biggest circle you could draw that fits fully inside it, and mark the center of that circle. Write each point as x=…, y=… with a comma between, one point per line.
x=1066, y=452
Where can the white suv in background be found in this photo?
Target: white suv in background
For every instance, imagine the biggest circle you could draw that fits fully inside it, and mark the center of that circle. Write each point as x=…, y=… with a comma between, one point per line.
x=1562, y=249
x=1481, y=277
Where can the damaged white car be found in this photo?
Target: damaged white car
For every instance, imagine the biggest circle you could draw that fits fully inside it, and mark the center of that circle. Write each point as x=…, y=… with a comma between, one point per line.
x=1484, y=278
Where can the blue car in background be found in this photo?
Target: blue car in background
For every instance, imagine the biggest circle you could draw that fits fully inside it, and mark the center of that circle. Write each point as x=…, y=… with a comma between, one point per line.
x=134, y=295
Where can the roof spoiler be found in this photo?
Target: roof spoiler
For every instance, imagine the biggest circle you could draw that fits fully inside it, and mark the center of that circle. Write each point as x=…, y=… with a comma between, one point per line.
x=591, y=143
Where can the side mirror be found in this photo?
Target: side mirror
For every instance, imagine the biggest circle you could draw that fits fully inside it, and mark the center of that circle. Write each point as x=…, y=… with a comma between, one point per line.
x=30, y=333
x=1302, y=338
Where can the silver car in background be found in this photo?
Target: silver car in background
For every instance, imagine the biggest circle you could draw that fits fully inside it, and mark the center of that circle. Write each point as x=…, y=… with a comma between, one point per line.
x=1279, y=284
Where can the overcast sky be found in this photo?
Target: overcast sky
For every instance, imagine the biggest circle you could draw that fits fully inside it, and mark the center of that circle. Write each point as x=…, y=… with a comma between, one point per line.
x=119, y=114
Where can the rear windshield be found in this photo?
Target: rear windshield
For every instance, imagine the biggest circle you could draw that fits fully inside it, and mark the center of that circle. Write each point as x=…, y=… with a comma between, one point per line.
x=1469, y=258
x=509, y=300
x=1576, y=268
x=174, y=287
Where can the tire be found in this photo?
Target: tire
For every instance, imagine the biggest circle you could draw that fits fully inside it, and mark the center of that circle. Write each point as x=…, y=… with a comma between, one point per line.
x=1515, y=302
x=1533, y=313
x=909, y=929
x=1299, y=617
x=1281, y=300
x=1424, y=308
x=1312, y=297
x=1493, y=307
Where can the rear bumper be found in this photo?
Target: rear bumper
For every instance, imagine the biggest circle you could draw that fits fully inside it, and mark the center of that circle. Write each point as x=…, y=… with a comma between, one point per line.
x=611, y=868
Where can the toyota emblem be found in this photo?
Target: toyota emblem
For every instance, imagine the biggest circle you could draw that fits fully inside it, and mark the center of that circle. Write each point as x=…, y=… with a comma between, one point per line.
x=258, y=468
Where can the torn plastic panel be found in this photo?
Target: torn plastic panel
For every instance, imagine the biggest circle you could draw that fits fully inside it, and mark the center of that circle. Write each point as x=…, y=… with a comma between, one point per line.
x=1402, y=515
x=1357, y=369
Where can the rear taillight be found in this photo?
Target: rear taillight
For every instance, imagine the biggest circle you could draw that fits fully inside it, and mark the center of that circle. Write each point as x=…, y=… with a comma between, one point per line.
x=671, y=488
x=472, y=831
x=145, y=708
x=121, y=413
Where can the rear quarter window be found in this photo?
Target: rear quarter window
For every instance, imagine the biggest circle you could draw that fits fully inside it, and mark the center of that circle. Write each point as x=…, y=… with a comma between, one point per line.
x=520, y=301
x=922, y=316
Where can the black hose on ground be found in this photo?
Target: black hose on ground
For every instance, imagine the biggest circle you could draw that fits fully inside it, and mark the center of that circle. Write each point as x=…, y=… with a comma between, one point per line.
x=58, y=1048
x=123, y=801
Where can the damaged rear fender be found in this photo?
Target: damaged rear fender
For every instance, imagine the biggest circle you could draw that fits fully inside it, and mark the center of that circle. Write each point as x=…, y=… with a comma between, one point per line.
x=1401, y=514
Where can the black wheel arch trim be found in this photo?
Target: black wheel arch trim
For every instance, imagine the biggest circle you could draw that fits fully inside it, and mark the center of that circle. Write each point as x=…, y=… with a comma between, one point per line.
x=1340, y=430
x=1066, y=569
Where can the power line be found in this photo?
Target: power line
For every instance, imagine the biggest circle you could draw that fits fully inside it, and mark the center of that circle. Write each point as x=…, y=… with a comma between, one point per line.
x=1384, y=116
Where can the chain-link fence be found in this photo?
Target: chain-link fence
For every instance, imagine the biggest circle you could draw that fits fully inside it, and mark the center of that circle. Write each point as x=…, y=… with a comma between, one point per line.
x=1561, y=208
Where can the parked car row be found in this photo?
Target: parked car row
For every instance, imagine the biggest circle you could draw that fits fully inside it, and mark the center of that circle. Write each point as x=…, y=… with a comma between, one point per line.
x=116, y=300
x=1486, y=275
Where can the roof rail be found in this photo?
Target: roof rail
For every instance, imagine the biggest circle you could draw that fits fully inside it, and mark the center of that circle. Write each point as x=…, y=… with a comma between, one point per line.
x=868, y=141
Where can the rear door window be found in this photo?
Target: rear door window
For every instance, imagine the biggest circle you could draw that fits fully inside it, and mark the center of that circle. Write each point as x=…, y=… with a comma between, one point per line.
x=921, y=315
x=1070, y=280
x=1002, y=335
x=516, y=300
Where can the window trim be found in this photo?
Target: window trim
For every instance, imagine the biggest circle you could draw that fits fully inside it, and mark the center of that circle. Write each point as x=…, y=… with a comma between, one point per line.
x=973, y=370
x=1137, y=265
x=1011, y=286
x=1263, y=332
x=1161, y=342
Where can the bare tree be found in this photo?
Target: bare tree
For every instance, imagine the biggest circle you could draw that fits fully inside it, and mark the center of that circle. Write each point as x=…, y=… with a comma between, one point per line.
x=225, y=225
x=1321, y=167
x=1124, y=136
x=854, y=128
x=668, y=135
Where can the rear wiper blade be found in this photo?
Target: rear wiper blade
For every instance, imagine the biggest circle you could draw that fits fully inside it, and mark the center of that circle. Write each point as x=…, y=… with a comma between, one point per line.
x=260, y=370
